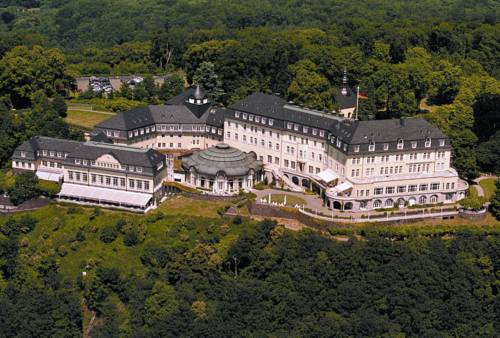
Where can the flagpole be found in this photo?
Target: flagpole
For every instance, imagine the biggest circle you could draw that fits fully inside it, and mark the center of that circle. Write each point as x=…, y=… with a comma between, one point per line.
x=357, y=102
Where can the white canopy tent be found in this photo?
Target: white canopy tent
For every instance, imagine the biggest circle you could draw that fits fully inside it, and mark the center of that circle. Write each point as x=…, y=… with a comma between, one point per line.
x=105, y=195
x=341, y=188
x=327, y=176
x=48, y=176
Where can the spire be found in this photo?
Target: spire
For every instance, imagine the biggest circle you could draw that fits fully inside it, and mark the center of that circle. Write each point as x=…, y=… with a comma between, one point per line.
x=343, y=90
x=198, y=93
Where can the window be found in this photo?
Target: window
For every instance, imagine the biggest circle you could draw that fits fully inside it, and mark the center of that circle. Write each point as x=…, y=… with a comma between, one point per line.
x=70, y=175
x=401, y=144
x=434, y=199
x=441, y=143
x=77, y=161
x=250, y=117
x=401, y=188
x=378, y=191
x=412, y=187
x=389, y=203
x=237, y=114
x=117, y=133
x=322, y=133
x=296, y=127
x=386, y=146
x=271, y=122
x=427, y=142
x=257, y=119
x=422, y=200
x=77, y=176
x=131, y=184
x=389, y=190
x=115, y=181
x=146, y=185
x=356, y=149
x=93, y=178
x=139, y=184
x=435, y=186
x=423, y=187
x=264, y=120
x=315, y=132
x=377, y=204
x=305, y=129
x=371, y=146
x=413, y=144
x=108, y=180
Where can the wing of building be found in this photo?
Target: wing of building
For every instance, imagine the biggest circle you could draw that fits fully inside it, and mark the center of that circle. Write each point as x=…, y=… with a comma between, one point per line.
x=352, y=165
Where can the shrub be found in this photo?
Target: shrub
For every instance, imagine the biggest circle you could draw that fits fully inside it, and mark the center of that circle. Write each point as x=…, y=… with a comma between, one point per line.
x=120, y=224
x=108, y=234
x=48, y=188
x=131, y=238
x=25, y=188
x=237, y=220
x=80, y=236
x=62, y=251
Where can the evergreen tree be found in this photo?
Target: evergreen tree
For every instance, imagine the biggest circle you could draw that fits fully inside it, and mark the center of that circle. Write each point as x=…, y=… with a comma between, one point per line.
x=207, y=78
x=60, y=106
x=172, y=85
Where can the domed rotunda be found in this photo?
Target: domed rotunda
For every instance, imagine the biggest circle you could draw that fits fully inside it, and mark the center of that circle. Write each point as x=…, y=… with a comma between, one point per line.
x=222, y=170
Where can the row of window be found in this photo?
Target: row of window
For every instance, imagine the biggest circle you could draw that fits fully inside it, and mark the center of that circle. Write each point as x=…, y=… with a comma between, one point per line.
x=106, y=180
x=400, y=145
x=171, y=145
x=108, y=165
x=256, y=118
x=296, y=127
x=50, y=164
x=50, y=153
x=389, y=203
x=22, y=164
x=403, y=188
x=397, y=158
x=152, y=129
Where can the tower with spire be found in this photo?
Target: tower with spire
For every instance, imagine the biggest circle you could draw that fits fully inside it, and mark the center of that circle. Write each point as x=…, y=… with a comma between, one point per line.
x=346, y=98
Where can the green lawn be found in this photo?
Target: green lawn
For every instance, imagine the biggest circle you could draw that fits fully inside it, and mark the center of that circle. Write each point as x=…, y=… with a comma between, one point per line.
x=291, y=200
x=85, y=119
x=488, y=186
x=184, y=206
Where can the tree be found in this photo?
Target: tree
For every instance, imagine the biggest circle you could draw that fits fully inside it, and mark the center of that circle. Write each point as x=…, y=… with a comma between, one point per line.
x=495, y=202
x=25, y=188
x=60, y=106
x=161, y=303
x=309, y=88
x=108, y=234
x=445, y=83
x=172, y=85
x=206, y=77
x=488, y=154
x=25, y=70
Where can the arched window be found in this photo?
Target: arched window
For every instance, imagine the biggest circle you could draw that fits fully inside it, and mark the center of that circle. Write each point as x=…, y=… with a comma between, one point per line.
x=422, y=200
x=377, y=204
x=389, y=203
x=362, y=205
x=434, y=199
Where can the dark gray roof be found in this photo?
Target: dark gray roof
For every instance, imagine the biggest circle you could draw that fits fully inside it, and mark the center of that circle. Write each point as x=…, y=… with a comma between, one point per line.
x=222, y=158
x=31, y=146
x=98, y=136
x=126, y=155
x=175, y=110
x=346, y=101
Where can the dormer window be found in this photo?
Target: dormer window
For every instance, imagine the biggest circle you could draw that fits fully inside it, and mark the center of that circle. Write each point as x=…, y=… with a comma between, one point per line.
x=339, y=143
x=264, y=120
x=386, y=146
x=356, y=149
x=296, y=127
x=427, y=142
x=59, y=154
x=84, y=162
x=371, y=146
x=138, y=169
x=250, y=117
x=237, y=114
x=198, y=101
x=315, y=132
x=413, y=144
x=244, y=116
x=142, y=131
x=322, y=133
x=51, y=154
x=257, y=118
x=205, y=101
x=136, y=132
x=147, y=129
x=77, y=161
x=44, y=152
x=271, y=122
x=441, y=143
x=305, y=129
x=289, y=125
x=401, y=144
x=23, y=154
x=153, y=128
x=191, y=100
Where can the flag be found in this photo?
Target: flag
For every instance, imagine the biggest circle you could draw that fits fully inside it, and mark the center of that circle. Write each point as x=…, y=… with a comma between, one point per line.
x=362, y=96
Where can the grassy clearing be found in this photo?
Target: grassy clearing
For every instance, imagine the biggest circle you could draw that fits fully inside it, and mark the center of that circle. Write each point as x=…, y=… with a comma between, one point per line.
x=85, y=119
x=291, y=200
x=184, y=206
x=489, y=187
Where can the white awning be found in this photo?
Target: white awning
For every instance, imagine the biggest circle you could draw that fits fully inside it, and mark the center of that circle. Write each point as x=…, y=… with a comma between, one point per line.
x=105, y=195
x=327, y=175
x=48, y=176
x=341, y=188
